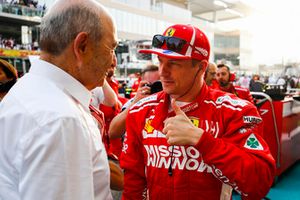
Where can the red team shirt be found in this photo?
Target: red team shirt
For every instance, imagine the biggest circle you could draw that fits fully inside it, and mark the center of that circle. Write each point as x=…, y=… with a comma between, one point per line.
x=230, y=154
x=240, y=92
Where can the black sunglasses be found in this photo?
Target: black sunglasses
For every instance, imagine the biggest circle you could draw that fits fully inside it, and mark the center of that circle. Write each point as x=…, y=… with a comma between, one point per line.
x=173, y=43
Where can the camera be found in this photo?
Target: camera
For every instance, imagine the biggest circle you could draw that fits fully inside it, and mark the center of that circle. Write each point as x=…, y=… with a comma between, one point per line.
x=155, y=87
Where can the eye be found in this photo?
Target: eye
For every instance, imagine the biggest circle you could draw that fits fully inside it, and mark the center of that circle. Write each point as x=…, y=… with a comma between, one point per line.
x=173, y=62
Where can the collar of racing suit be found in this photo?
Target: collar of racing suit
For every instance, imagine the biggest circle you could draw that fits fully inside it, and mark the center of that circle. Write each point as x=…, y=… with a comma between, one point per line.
x=230, y=89
x=161, y=111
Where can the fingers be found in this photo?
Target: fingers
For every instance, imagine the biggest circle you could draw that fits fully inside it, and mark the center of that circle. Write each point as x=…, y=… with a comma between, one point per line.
x=143, y=83
x=144, y=90
x=176, y=108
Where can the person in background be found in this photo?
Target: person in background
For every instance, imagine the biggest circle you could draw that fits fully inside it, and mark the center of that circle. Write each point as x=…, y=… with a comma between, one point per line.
x=50, y=146
x=210, y=76
x=244, y=81
x=104, y=95
x=114, y=147
x=190, y=141
x=149, y=76
x=8, y=77
x=255, y=84
x=225, y=80
x=135, y=84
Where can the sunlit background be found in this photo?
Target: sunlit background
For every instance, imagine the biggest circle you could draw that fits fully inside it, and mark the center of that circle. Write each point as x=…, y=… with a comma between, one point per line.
x=251, y=36
x=275, y=28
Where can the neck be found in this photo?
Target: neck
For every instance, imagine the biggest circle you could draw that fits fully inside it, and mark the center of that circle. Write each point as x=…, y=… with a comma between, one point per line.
x=62, y=61
x=191, y=93
x=227, y=87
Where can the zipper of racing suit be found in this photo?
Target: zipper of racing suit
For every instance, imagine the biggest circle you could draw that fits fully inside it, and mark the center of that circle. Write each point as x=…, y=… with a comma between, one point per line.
x=170, y=170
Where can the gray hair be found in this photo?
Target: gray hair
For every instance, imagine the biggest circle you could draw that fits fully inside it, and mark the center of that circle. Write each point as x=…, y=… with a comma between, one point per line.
x=59, y=29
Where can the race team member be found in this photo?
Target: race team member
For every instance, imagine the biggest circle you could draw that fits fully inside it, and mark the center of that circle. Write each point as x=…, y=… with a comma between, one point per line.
x=150, y=75
x=210, y=76
x=224, y=77
x=190, y=141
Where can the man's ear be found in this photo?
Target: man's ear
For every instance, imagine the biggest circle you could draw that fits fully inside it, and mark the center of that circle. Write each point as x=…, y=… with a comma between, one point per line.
x=203, y=65
x=80, y=45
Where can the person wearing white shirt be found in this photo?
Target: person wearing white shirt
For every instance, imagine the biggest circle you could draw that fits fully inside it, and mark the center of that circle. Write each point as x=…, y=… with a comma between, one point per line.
x=50, y=146
x=104, y=95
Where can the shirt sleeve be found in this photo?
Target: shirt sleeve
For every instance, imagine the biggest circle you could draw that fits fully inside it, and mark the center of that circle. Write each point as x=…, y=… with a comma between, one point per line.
x=132, y=161
x=240, y=157
x=97, y=97
x=57, y=162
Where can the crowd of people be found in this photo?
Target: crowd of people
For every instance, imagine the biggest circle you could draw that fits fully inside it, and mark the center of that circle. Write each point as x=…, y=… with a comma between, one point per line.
x=188, y=132
x=10, y=43
x=23, y=8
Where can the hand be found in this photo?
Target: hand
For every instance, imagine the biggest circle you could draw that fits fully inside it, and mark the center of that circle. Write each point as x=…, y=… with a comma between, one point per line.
x=142, y=91
x=180, y=130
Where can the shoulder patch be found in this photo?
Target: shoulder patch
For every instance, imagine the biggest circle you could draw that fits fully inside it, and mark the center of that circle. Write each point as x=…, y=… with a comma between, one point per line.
x=145, y=102
x=146, y=99
x=251, y=119
x=253, y=143
x=233, y=102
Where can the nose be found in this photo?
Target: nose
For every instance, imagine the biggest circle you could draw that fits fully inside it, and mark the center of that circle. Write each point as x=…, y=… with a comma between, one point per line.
x=114, y=61
x=163, y=69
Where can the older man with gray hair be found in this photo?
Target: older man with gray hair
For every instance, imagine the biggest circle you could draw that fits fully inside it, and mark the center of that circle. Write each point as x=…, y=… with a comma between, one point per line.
x=50, y=146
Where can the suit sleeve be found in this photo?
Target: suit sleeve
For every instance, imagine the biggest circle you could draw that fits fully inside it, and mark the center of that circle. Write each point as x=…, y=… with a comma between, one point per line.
x=132, y=161
x=250, y=98
x=240, y=157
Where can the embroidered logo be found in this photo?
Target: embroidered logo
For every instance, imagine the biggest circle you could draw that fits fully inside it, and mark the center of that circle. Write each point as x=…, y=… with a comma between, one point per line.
x=253, y=143
x=148, y=126
x=195, y=121
x=170, y=32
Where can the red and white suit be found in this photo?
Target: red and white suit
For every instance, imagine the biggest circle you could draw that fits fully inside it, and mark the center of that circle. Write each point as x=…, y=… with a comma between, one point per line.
x=230, y=154
x=240, y=92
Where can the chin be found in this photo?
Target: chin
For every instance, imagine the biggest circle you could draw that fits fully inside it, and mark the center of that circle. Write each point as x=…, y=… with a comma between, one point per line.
x=169, y=91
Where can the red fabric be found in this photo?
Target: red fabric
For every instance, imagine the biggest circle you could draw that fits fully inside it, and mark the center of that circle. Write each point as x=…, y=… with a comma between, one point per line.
x=214, y=84
x=114, y=84
x=135, y=85
x=240, y=92
x=198, y=172
x=113, y=146
x=99, y=117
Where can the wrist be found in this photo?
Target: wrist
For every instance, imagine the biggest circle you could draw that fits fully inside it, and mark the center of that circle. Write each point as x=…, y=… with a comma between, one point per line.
x=196, y=136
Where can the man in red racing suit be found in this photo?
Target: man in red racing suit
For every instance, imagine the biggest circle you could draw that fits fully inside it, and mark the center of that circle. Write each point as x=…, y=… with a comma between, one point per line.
x=225, y=79
x=197, y=148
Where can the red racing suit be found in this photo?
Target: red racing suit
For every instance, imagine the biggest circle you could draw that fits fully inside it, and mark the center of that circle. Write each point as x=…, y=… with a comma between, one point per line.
x=230, y=154
x=240, y=92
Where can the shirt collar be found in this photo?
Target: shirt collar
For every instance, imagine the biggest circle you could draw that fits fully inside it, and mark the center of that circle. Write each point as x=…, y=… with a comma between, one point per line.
x=63, y=80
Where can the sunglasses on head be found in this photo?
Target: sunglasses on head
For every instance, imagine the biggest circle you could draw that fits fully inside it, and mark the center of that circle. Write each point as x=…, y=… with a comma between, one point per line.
x=173, y=43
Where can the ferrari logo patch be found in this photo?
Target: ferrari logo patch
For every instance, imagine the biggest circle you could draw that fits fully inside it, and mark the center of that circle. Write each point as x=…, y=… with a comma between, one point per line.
x=195, y=122
x=170, y=32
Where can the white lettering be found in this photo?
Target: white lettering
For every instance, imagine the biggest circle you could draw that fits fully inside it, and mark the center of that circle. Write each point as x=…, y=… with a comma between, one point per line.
x=164, y=151
x=192, y=164
x=189, y=152
x=188, y=158
x=150, y=155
